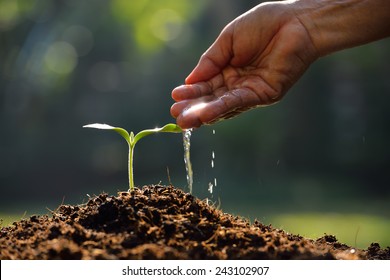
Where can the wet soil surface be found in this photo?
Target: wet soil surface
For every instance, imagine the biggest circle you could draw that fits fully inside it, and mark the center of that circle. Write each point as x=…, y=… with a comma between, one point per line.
x=158, y=222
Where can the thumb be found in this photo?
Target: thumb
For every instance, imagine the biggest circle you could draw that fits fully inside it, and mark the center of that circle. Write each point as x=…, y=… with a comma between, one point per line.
x=213, y=60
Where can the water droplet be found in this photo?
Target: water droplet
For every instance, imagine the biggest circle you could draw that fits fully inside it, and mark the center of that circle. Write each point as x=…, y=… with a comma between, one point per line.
x=211, y=185
x=211, y=188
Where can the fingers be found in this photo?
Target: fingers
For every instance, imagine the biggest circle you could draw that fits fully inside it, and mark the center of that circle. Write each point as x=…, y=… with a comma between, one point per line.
x=185, y=92
x=178, y=108
x=188, y=113
x=211, y=108
x=198, y=113
x=197, y=90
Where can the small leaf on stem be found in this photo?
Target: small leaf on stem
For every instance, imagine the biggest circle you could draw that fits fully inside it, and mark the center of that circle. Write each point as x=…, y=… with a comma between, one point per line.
x=119, y=130
x=171, y=127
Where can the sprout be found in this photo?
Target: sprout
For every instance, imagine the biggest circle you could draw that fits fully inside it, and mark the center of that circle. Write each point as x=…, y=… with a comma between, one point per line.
x=132, y=139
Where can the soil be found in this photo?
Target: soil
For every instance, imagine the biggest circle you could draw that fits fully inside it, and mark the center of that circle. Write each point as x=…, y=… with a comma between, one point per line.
x=159, y=222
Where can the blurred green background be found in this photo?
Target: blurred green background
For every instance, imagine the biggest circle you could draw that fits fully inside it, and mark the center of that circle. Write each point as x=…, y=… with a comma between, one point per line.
x=317, y=162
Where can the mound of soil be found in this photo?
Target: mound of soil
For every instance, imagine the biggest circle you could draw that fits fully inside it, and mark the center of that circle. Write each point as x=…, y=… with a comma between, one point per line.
x=158, y=222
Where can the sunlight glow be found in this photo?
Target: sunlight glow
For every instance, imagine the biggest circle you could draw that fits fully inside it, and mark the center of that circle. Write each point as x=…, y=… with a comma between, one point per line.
x=194, y=108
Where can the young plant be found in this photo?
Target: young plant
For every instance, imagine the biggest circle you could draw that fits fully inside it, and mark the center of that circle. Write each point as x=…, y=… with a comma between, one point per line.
x=132, y=139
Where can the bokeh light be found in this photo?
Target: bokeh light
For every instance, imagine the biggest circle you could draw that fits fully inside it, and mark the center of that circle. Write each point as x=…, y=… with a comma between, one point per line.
x=166, y=24
x=61, y=57
x=9, y=14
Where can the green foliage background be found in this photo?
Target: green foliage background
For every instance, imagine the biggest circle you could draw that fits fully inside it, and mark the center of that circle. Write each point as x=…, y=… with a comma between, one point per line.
x=322, y=150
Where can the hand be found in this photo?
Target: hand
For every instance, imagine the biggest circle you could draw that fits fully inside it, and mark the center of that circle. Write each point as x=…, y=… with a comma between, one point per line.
x=253, y=63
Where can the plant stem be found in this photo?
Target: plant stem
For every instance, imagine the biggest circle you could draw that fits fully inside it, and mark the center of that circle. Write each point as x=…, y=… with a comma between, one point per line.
x=131, y=176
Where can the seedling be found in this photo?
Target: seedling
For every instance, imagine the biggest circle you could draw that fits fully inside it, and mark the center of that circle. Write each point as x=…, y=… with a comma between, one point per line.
x=132, y=139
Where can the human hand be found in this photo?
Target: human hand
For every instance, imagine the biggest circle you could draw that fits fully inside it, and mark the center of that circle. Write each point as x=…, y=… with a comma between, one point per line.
x=253, y=62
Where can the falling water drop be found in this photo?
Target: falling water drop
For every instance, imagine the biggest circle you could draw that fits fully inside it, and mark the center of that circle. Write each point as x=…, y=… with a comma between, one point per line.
x=210, y=188
x=211, y=185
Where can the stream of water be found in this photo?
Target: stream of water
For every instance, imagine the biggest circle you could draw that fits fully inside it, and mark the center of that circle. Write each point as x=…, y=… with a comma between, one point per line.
x=187, y=160
x=188, y=165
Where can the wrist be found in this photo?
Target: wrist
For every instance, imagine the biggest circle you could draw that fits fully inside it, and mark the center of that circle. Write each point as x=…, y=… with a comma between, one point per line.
x=334, y=25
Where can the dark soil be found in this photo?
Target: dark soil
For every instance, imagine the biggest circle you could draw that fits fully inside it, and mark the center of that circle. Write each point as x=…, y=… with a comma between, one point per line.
x=158, y=222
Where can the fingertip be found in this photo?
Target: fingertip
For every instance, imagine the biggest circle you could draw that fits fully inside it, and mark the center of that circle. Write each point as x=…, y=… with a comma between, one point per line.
x=186, y=116
x=202, y=72
x=187, y=123
x=191, y=78
x=178, y=108
x=182, y=92
x=197, y=74
x=175, y=94
x=212, y=62
x=191, y=91
x=173, y=111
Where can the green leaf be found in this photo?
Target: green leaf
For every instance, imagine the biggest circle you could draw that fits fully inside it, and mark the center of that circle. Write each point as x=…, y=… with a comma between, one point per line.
x=119, y=130
x=173, y=128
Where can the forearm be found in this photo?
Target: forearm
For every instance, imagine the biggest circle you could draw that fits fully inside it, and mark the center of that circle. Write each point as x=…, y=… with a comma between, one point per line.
x=339, y=24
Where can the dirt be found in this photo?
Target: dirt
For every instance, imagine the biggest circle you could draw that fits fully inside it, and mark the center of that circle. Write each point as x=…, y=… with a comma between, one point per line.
x=159, y=222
